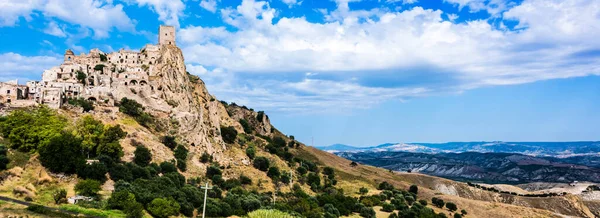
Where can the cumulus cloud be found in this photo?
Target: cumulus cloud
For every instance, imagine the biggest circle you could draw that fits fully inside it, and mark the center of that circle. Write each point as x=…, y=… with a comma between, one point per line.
x=292, y=3
x=168, y=11
x=53, y=29
x=16, y=66
x=491, y=6
x=100, y=15
x=209, y=5
x=393, y=56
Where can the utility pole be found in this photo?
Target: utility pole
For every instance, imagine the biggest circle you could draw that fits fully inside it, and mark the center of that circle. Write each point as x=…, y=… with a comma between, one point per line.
x=206, y=188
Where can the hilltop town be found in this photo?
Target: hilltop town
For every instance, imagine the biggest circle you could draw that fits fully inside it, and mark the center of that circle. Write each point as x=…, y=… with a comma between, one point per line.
x=96, y=76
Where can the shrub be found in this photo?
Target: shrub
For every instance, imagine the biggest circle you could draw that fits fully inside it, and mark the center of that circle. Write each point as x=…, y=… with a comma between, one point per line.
x=213, y=170
x=409, y=200
x=119, y=199
x=285, y=178
x=274, y=173
x=181, y=152
x=81, y=77
x=120, y=172
x=413, y=189
x=59, y=196
x=130, y=107
x=261, y=163
x=96, y=171
x=363, y=191
x=4, y=162
x=85, y=104
x=251, y=152
x=260, y=116
x=451, y=206
x=163, y=208
x=423, y=202
x=330, y=209
x=228, y=134
x=142, y=156
x=205, y=158
x=88, y=187
x=103, y=58
x=167, y=167
x=245, y=180
x=385, y=186
x=28, y=130
x=437, y=202
x=246, y=126
x=169, y=141
x=181, y=165
x=52, y=155
x=456, y=215
x=301, y=170
x=367, y=212
x=388, y=207
x=463, y=212
x=134, y=210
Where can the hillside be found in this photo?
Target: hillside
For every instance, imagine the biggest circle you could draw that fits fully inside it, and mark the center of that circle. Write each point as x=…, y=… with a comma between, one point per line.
x=149, y=153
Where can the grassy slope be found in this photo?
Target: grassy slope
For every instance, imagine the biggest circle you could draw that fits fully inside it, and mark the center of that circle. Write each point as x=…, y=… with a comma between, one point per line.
x=484, y=205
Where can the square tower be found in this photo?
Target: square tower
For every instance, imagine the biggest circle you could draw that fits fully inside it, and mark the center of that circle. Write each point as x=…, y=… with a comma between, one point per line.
x=166, y=35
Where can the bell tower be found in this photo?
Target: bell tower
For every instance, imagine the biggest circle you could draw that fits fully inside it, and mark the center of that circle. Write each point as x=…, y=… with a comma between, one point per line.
x=166, y=35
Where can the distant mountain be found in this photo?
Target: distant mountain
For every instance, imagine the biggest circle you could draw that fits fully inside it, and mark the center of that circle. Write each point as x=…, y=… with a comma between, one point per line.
x=485, y=167
x=553, y=149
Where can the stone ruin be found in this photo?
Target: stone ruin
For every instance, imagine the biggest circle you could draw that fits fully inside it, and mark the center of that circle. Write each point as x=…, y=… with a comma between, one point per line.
x=97, y=76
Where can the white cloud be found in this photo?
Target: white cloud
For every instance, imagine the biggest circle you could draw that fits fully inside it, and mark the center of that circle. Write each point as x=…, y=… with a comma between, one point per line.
x=168, y=11
x=491, y=6
x=11, y=10
x=16, y=66
x=100, y=15
x=209, y=5
x=54, y=29
x=292, y=3
x=404, y=2
x=452, y=17
x=415, y=46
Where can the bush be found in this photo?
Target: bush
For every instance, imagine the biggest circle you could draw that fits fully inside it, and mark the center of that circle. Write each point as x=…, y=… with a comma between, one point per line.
x=409, y=200
x=142, y=157
x=463, y=212
x=52, y=155
x=438, y=202
x=261, y=163
x=4, y=162
x=367, y=212
x=131, y=107
x=228, y=134
x=167, y=167
x=99, y=67
x=169, y=141
x=363, y=191
x=120, y=172
x=205, y=158
x=413, y=189
x=81, y=77
x=251, y=152
x=260, y=116
x=181, y=165
x=85, y=104
x=96, y=171
x=59, y=196
x=212, y=171
x=181, y=152
x=388, y=207
x=423, y=202
x=274, y=173
x=456, y=215
x=245, y=180
x=301, y=170
x=163, y=208
x=246, y=126
x=451, y=206
x=88, y=187
x=119, y=199
x=385, y=186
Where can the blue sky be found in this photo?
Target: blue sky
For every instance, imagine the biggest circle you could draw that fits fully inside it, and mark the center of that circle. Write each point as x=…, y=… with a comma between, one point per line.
x=359, y=72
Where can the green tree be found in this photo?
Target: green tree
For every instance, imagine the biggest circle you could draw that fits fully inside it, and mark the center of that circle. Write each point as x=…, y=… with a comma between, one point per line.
x=456, y=215
x=27, y=130
x=261, y=163
x=274, y=173
x=451, y=206
x=413, y=189
x=246, y=126
x=119, y=199
x=81, y=77
x=59, y=196
x=363, y=191
x=228, y=134
x=53, y=155
x=91, y=132
x=88, y=187
x=388, y=207
x=163, y=208
x=205, y=158
x=96, y=171
x=131, y=107
x=463, y=212
x=251, y=152
x=142, y=156
x=438, y=202
x=245, y=180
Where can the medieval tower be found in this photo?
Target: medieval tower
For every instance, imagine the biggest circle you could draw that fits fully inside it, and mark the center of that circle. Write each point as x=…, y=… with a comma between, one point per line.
x=166, y=35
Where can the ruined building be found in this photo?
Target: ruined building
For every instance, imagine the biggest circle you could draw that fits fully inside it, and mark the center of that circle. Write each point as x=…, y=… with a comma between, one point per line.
x=97, y=76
